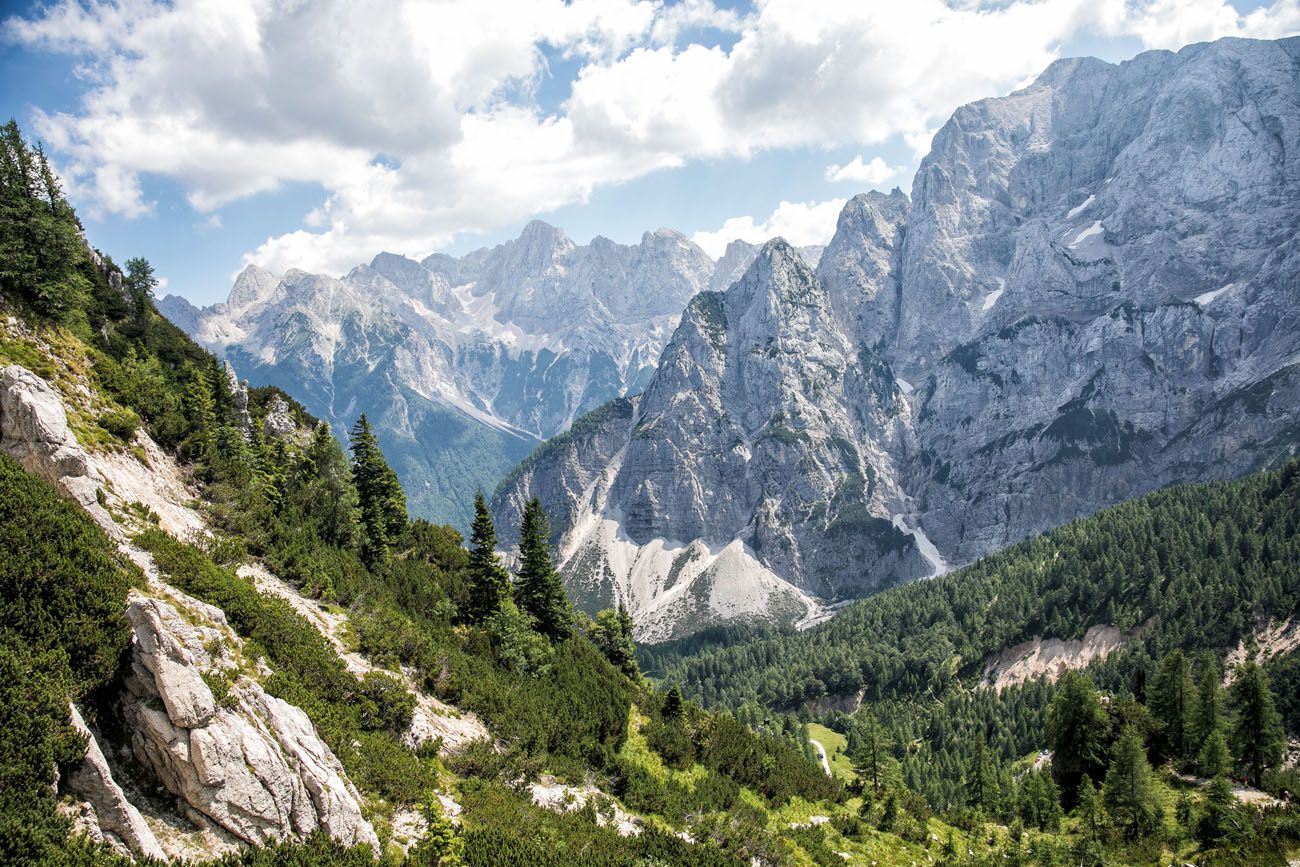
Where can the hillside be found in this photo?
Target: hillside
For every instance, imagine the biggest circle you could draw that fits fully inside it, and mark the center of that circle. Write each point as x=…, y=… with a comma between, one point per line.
x=973, y=655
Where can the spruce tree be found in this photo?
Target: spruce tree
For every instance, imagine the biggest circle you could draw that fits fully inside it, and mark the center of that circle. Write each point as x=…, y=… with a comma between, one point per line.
x=868, y=749
x=1258, y=739
x=540, y=591
x=612, y=633
x=489, y=582
x=1208, y=715
x=1130, y=791
x=1077, y=729
x=379, y=493
x=982, y=780
x=41, y=248
x=674, y=707
x=1090, y=810
x=1214, y=760
x=1173, y=704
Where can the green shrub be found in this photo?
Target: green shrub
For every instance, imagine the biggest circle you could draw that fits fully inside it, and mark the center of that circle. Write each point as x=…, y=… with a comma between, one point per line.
x=121, y=423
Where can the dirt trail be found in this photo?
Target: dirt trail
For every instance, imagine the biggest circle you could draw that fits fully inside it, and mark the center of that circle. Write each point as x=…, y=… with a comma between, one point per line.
x=821, y=751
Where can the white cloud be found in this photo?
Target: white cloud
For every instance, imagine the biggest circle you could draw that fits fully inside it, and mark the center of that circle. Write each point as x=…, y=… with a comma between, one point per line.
x=800, y=223
x=873, y=173
x=211, y=224
x=420, y=118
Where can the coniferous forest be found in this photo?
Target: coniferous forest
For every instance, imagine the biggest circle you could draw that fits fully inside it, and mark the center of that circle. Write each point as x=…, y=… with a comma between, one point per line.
x=1174, y=746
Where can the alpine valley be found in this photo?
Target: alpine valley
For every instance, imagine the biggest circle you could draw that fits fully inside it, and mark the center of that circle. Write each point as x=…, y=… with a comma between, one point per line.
x=969, y=538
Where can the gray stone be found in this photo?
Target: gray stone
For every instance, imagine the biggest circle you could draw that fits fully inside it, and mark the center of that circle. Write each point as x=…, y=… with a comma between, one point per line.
x=93, y=781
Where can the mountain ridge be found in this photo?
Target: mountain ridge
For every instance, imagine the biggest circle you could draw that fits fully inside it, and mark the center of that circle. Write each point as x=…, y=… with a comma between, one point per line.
x=1054, y=323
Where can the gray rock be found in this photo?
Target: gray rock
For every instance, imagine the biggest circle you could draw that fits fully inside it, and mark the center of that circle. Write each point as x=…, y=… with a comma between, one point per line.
x=253, y=766
x=278, y=423
x=34, y=431
x=93, y=781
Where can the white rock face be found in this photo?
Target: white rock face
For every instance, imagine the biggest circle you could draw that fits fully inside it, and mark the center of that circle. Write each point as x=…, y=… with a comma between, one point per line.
x=1094, y=291
x=255, y=768
x=93, y=780
x=34, y=431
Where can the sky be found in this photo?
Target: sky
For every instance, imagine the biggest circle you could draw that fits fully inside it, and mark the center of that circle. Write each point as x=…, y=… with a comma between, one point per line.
x=206, y=135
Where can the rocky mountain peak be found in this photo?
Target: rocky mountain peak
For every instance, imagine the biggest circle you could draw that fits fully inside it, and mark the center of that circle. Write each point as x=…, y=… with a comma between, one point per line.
x=253, y=284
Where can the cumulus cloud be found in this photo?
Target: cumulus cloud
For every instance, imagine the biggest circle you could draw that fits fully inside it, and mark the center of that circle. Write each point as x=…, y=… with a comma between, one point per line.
x=800, y=223
x=421, y=120
x=872, y=173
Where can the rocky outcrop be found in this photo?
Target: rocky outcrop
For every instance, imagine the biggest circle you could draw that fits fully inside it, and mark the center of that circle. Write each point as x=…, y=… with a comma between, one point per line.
x=114, y=814
x=1094, y=291
x=34, y=431
x=1052, y=657
x=239, y=396
x=248, y=762
x=278, y=423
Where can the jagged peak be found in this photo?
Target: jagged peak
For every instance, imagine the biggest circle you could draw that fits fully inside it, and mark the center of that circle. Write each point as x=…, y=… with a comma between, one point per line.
x=252, y=285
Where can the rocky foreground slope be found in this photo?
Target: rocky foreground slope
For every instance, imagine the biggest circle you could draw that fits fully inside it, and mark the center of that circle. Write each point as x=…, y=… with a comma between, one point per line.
x=238, y=766
x=1093, y=291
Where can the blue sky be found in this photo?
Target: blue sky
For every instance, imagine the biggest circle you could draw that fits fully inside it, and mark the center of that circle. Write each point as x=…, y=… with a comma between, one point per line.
x=208, y=135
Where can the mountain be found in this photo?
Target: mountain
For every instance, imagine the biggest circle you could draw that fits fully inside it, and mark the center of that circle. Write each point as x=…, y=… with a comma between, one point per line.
x=463, y=365
x=1091, y=293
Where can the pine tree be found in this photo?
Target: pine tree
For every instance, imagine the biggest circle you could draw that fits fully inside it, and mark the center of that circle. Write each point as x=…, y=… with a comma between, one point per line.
x=540, y=591
x=1172, y=703
x=1214, y=760
x=868, y=749
x=380, y=494
x=1258, y=739
x=982, y=780
x=612, y=633
x=1130, y=791
x=1208, y=715
x=674, y=708
x=1077, y=728
x=489, y=582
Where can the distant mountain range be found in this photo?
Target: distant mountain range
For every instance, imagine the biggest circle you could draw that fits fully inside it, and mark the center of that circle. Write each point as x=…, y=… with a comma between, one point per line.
x=1092, y=292
x=465, y=364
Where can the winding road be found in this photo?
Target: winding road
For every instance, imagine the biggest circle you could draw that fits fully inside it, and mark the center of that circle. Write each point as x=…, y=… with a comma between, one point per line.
x=821, y=751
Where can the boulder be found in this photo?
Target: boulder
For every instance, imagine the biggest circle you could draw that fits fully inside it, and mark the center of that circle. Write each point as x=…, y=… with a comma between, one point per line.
x=34, y=431
x=250, y=763
x=93, y=781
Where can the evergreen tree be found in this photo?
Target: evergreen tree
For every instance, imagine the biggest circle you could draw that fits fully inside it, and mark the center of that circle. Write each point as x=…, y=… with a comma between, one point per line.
x=379, y=493
x=489, y=582
x=1130, y=791
x=612, y=633
x=1039, y=802
x=674, y=709
x=1214, y=760
x=1208, y=715
x=41, y=248
x=1172, y=703
x=1258, y=739
x=1090, y=810
x=139, y=283
x=868, y=749
x=540, y=591
x=982, y=780
x=328, y=499
x=1077, y=729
